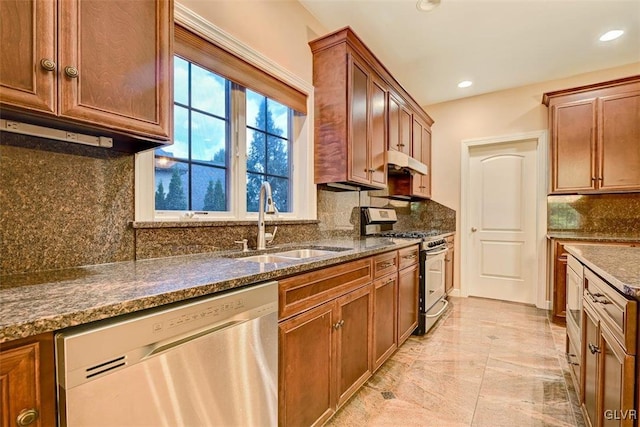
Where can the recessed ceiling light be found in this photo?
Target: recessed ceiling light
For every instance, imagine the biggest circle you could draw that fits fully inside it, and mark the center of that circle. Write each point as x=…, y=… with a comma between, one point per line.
x=611, y=35
x=465, y=83
x=427, y=5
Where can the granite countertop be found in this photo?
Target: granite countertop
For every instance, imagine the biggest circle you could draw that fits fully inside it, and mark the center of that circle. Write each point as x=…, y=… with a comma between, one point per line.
x=618, y=265
x=594, y=237
x=46, y=301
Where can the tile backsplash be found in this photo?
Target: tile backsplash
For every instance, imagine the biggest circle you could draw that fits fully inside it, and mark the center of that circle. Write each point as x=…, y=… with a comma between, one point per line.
x=67, y=205
x=594, y=213
x=63, y=205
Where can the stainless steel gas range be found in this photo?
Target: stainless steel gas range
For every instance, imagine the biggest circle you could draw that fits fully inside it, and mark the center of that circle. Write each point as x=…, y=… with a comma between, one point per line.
x=433, y=250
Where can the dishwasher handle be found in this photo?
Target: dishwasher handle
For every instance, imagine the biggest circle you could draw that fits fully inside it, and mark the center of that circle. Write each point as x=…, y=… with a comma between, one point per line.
x=162, y=347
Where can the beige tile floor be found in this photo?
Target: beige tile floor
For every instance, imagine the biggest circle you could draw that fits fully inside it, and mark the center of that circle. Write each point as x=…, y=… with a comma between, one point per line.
x=486, y=363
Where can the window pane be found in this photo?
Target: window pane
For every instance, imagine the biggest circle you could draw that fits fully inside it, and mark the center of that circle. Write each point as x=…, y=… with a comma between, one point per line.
x=277, y=156
x=208, y=91
x=256, y=151
x=254, y=182
x=172, y=184
x=278, y=115
x=255, y=110
x=180, y=80
x=180, y=146
x=208, y=188
x=280, y=193
x=208, y=138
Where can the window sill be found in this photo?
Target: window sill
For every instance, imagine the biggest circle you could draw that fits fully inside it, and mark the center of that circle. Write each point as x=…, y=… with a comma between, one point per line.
x=194, y=223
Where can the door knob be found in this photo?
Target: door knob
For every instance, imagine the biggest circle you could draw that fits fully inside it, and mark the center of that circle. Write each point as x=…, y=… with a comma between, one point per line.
x=473, y=229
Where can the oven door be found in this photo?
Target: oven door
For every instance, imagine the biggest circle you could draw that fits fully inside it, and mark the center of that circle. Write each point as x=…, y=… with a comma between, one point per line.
x=434, y=271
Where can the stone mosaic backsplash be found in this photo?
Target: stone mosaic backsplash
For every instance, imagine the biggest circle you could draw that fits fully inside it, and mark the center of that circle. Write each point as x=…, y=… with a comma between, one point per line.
x=67, y=205
x=597, y=213
x=63, y=205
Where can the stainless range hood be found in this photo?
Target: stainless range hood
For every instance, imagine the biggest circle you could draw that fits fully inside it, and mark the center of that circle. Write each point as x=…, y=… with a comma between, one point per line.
x=400, y=162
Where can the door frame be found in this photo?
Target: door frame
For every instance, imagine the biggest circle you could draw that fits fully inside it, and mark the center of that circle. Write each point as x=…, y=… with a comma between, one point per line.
x=542, y=150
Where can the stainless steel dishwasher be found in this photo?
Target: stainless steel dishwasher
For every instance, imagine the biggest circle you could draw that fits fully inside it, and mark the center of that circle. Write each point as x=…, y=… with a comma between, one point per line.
x=211, y=362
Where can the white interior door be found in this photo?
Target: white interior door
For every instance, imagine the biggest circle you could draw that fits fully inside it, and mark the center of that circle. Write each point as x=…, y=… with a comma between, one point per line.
x=502, y=219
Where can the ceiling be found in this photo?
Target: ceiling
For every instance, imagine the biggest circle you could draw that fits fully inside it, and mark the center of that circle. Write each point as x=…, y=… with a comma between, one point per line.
x=496, y=44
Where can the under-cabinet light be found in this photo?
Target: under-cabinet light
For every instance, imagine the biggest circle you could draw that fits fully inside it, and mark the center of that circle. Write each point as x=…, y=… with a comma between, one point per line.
x=611, y=35
x=60, y=135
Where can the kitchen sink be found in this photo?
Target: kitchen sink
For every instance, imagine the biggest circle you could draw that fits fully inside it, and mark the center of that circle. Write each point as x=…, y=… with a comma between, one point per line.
x=291, y=255
x=305, y=253
x=267, y=258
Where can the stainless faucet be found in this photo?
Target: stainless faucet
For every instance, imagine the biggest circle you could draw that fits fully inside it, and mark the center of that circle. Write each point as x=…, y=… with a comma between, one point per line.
x=265, y=191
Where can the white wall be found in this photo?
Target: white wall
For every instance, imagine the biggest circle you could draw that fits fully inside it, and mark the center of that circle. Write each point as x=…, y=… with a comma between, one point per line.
x=506, y=112
x=280, y=30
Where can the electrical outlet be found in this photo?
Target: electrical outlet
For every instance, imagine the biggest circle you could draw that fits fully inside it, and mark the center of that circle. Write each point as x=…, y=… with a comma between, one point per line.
x=73, y=137
x=12, y=125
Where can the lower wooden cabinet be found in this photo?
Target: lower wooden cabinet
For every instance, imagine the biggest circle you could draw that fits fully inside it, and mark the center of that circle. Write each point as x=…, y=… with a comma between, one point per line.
x=27, y=388
x=609, y=349
x=306, y=395
x=337, y=326
x=407, y=302
x=353, y=341
x=385, y=321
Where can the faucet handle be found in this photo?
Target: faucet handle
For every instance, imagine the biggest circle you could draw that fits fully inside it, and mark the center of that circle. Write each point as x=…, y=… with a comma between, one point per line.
x=268, y=237
x=243, y=242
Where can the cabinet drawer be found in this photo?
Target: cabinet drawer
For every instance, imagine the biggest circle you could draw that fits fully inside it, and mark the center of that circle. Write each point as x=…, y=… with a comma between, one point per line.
x=574, y=264
x=298, y=293
x=408, y=256
x=385, y=264
x=617, y=312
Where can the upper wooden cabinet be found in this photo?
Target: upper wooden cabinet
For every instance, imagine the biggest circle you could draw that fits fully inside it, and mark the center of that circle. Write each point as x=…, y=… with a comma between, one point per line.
x=361, y=111
x=595, y=137
x=105, y=66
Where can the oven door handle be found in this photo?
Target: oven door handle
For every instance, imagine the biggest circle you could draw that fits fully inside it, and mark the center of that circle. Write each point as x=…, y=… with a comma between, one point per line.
x=430, y=254
x=446, y=304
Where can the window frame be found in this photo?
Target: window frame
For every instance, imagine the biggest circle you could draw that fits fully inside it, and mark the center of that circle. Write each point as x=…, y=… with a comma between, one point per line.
x=303, y=195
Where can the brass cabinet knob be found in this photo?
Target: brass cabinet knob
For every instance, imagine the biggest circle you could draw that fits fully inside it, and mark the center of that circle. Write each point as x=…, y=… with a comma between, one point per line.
x=47, y=64
x=27, y=417
x=473, y=229
x=71, y=72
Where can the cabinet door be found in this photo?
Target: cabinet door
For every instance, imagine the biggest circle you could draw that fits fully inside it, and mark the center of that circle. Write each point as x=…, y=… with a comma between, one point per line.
x=28, y=37
x=385, y=323
x=378, y=147
x=619, y=142
x=358, y=105
x=448, y=272
x=590, y=351
x=394, y=123
x=406, y=136
x=560, y=285
x=354, y=342
x=421, y=184
x=115, y=60
x=27, y=390
x=407, y=302
x=573, y=146
x=617, y=387
x=306, y=392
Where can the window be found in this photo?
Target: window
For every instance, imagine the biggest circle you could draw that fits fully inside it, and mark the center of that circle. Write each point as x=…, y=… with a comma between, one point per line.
x=192, y=174
x=235, y=126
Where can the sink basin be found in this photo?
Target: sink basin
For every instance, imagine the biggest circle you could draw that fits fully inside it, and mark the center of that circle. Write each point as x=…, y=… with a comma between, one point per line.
x=267, y=258
x=305, y=253
x=291, y=255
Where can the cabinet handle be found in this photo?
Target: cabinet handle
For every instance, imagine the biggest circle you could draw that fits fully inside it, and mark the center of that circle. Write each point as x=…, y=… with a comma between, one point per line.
x=593, y=178
x=593, y=348
x=27, y=417
x=71, y=72
x=389, y=281
x=372, y=170
x=600, y=179
x=47, y=64
x=413, y=256
x=400, y=145
x=338, y=324
x=386, y=264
